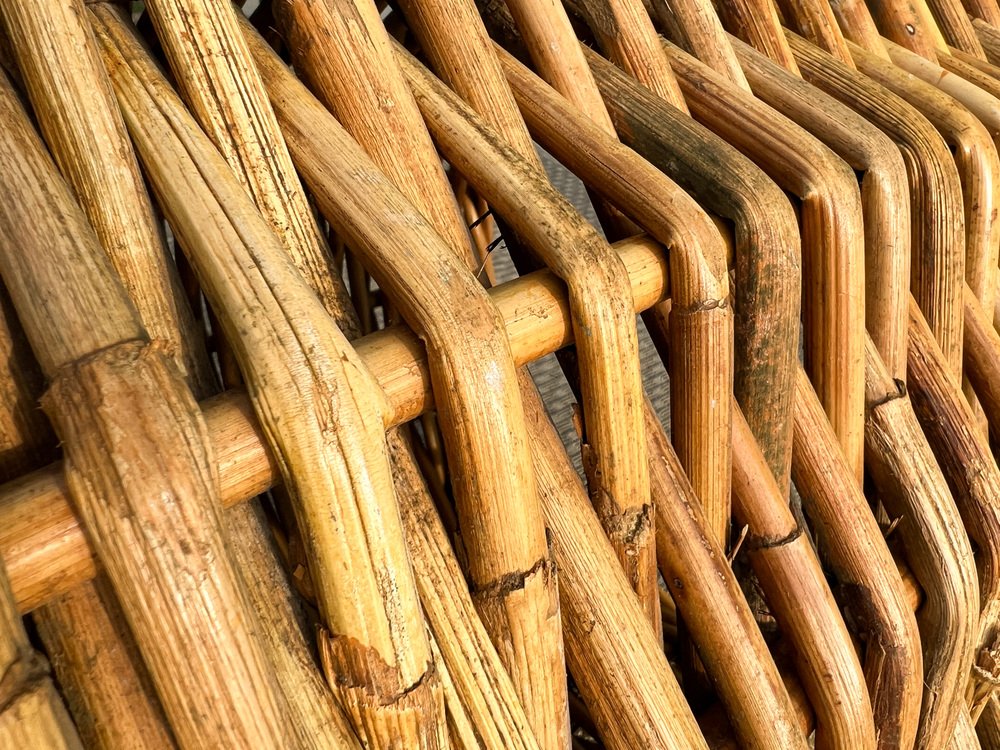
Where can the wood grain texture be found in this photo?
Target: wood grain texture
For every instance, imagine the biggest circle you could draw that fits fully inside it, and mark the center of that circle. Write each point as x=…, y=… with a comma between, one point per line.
x=606, y=338
x=78, y=116
x=116, y=403
x=766, y=252
x=40, y=536
x=869, y=585
x=694, y=26
x=936, y=547
x=832, y=236
x=510, y=569
x=937, y=208
x=31, y=712
x=315, y=401
x=885, y=195
x=965, y=459
x=793, y=581
x=216, y=76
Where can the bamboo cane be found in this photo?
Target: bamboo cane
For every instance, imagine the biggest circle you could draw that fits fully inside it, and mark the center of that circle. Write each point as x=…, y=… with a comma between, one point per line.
x=975, y=157
x=606, y=674
x=42, y=542
x=373, y=647
x=765, y=242
x=116, y=403
x=450, y=40
x=246, y=469
x=479, y=680
x=509, y=564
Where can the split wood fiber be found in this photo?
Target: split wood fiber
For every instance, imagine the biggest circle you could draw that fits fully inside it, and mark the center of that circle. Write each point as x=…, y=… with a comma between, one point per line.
x=502, y=528
x=137, y=460
x=315, y=400
x=93, y=651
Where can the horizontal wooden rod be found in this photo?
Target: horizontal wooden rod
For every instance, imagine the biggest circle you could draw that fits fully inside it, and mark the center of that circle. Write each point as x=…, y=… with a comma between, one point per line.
x=44, y=547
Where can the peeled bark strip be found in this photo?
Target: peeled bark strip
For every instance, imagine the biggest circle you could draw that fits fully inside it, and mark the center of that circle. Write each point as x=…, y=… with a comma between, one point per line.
x=936, y=546
x=137, y=461
x=216, y=76
x=315, y=400
x=31, y=711
x=510, y=568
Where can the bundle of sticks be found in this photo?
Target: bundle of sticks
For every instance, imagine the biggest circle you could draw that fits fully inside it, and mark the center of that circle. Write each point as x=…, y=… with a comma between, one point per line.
x=274, y=472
